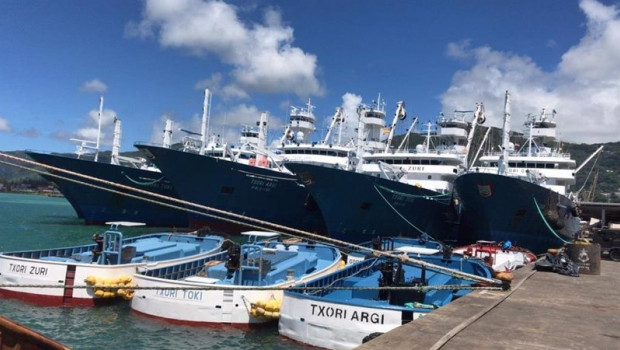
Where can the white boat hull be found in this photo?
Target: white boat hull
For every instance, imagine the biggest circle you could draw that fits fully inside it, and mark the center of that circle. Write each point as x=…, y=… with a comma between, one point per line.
x=200, y=306
x=334, y=325
x=52, y=282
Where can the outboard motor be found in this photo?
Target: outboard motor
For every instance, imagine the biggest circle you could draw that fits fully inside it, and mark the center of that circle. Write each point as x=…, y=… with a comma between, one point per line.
x=376, y=243
x=386, y=279
x=401, y=297
x=447, y=253
x=234, y=255
x=423, y=239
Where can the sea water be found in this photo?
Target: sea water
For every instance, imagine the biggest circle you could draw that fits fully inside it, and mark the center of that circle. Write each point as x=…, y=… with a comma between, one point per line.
x=31, y=222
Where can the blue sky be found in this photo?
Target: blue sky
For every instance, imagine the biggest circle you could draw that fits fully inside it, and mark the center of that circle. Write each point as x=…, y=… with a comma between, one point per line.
x=151, y=60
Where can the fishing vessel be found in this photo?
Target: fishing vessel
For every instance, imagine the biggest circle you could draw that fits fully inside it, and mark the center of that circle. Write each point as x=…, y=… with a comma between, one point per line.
x=242, y=286
x=96, y=199
x=252, y=183
x=79, y=275
x=340, y=310
x=522, y=195
x=391, y=192
x=357, y=206
x=435, y=163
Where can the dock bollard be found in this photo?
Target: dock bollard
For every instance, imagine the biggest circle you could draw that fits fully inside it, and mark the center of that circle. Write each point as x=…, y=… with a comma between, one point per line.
x=586, y=255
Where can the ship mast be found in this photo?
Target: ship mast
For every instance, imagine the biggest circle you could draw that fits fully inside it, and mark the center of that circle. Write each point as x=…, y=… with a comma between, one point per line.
x=502, y=166
x=167, y=134
x=99, y=128
x=116, y=143
x=205, y=121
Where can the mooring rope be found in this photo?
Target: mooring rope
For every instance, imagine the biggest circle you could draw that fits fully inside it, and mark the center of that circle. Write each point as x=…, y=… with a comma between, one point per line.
x=398, y=213
x=542, y=216
x=281, y=229
x=299, y=287
x=169, y=205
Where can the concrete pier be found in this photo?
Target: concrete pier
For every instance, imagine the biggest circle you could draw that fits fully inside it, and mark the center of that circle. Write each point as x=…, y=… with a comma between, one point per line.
x=543, y=310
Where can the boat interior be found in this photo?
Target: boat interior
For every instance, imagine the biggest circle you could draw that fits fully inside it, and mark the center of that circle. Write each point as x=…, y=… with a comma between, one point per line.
x=259, y=264
x=112, y=249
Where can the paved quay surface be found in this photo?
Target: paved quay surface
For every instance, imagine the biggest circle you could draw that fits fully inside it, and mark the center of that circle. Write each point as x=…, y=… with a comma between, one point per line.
x=543, y=310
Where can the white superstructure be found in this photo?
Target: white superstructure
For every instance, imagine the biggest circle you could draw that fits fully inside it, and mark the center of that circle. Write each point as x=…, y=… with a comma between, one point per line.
x=432, y=165
x=536, y=160
x=295, y=146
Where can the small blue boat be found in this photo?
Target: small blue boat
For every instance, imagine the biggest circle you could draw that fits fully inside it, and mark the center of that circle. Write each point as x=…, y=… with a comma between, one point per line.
x=422, y=245
x=109, y=261
x=339, y=310
x=240, y=287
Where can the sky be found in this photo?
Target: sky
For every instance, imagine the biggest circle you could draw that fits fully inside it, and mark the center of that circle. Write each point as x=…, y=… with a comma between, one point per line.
x=151, y=60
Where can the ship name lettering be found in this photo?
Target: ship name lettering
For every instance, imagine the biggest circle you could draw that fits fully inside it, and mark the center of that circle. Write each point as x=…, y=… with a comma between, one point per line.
x=364, y=316
x=328, y=311
x=34, y=270
x=38, y=270
x=168, y=293
x=192, y=295
x=17, y=268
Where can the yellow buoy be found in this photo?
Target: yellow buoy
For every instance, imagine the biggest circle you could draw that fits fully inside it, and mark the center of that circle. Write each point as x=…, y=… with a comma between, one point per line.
x=128, y=294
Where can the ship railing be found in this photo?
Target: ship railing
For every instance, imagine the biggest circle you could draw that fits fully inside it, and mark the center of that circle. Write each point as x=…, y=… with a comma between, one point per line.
x=533, y=154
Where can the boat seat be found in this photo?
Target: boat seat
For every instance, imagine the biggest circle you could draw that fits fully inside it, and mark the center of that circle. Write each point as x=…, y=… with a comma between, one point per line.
x=149, y=245
x=189, y=248
x=163, y=254
x=279, y=256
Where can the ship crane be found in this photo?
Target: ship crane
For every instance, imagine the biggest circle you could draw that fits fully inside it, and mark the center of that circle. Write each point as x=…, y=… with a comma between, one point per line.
x=337, y=118
x=589, y=159
x=400, y=114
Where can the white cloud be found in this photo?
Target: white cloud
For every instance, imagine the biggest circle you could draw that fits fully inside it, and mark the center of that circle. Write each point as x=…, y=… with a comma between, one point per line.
x=584, y=88
x=350, y=102
x=94, y=85
x=213, y=83
x=5, y=126
x=227, y=126
x=90, y=127
x=261, y=55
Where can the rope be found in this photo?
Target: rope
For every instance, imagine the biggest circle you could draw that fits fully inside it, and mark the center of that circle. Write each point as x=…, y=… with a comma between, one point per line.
x=542, y=216
x=280, y=228
x=238, y=287
x=398, y=213
x=414, y=196
x=250, y=174
x=138, y=197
